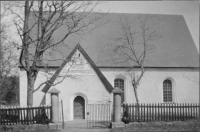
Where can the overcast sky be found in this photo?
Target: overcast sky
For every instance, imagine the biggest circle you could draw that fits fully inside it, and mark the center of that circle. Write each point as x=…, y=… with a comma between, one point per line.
x=189, y=9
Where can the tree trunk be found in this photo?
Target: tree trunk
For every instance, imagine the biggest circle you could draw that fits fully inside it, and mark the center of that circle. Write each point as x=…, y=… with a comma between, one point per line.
x=1, y=77
x=136, y=95
x=25, y=54
x=30, y=88
x=137, y=103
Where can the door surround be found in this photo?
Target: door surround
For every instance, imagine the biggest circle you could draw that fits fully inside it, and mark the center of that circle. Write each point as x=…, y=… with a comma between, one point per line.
x=72, y=104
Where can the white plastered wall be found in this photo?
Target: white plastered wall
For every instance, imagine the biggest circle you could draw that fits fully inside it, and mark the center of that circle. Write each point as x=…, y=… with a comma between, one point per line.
x=87, y=84
x=185, y=87
x=185, y=84
x=82, y=83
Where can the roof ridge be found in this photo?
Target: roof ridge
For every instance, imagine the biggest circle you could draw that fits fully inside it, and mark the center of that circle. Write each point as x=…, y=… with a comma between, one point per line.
x=138, y=13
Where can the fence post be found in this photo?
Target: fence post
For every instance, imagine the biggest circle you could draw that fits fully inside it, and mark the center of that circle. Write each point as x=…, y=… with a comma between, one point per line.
x=63, y=124
x=198, y=106
x=117, y=108
x=55, y=104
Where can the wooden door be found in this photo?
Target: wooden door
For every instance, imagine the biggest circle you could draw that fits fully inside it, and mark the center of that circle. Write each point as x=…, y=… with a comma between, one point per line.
x=79, y=108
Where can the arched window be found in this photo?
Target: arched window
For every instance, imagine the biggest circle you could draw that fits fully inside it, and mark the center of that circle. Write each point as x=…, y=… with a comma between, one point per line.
x=167, y=91
x=120, y=84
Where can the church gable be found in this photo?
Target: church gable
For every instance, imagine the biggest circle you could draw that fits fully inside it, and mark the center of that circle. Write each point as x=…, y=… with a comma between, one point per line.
x=78, y=64
x=78, y=61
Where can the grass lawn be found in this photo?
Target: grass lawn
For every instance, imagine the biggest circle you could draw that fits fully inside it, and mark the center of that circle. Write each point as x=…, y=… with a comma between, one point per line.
x=29, y=128
x=176, y=126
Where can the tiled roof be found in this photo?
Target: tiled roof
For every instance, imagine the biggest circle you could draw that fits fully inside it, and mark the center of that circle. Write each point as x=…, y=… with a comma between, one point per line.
x=175, y=47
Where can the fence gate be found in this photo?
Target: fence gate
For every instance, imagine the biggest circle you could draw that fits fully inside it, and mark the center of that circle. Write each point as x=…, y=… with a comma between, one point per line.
x=98, y=114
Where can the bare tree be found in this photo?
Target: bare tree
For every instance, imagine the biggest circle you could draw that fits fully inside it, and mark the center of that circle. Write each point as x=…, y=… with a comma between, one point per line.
x=8, y=54
x=135, y=43
x=42, y=19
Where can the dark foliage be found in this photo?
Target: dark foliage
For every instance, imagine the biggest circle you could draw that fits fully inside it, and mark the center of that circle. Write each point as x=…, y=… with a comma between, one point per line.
x=10, y=90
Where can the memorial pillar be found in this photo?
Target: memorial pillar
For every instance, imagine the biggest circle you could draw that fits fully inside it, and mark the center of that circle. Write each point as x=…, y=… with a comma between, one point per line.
x=117, y=108
x=55, y=104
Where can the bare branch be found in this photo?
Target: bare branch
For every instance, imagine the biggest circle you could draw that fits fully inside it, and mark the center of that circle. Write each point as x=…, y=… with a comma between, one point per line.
x=40, y=23
x=134, y=45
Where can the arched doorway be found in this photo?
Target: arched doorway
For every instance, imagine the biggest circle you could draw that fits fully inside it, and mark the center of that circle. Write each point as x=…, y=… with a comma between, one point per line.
x=79, y=108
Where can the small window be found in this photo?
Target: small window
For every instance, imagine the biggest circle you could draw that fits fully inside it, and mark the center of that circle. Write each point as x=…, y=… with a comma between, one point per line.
x=167, y=91
x=120, y=84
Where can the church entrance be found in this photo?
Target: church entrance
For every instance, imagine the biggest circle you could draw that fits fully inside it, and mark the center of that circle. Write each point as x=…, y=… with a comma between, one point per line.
x=79, y=108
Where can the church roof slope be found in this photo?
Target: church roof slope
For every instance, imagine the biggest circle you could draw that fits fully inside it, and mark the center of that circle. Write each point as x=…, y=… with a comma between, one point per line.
x=175, y=47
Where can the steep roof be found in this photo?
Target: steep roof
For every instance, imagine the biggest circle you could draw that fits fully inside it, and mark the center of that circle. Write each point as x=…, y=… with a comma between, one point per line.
x=105, y=82
x=175, y=47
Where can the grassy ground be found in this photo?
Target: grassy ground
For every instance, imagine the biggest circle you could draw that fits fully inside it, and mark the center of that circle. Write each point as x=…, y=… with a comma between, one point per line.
x=192, y=125
x=29, y=128
x=176, y=126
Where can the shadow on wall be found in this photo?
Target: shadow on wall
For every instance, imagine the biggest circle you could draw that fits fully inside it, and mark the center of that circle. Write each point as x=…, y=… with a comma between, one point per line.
x=43, y=101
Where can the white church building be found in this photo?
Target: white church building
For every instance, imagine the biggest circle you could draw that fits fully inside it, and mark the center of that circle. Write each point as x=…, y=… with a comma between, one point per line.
x=172, y=69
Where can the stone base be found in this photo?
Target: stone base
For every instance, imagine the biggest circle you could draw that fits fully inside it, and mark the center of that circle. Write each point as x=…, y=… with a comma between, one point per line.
x=117, y=124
